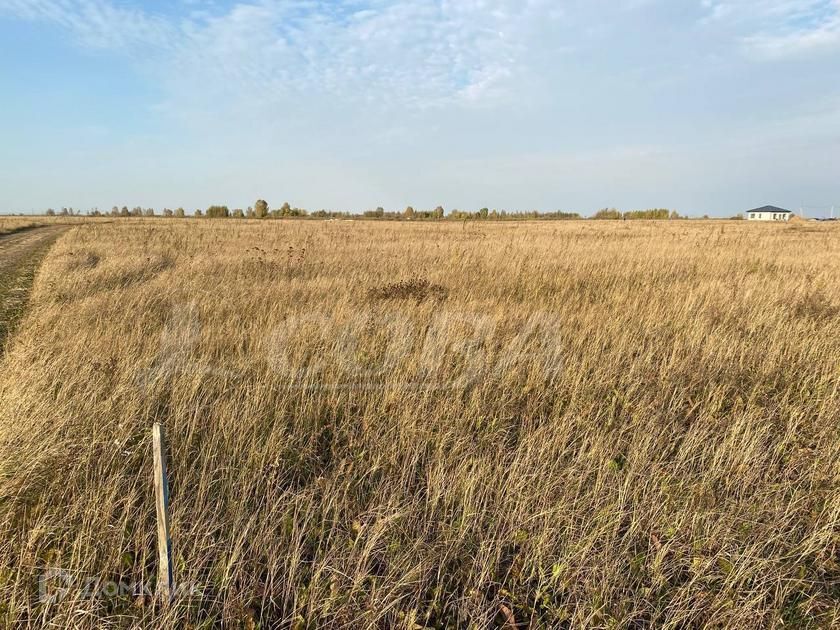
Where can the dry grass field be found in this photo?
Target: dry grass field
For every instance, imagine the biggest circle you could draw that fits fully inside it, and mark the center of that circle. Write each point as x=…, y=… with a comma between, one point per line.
x=443, y=425
x=13, y=224
x=10, y=225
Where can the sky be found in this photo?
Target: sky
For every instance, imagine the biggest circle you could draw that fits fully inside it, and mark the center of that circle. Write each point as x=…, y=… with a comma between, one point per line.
x=702, y=106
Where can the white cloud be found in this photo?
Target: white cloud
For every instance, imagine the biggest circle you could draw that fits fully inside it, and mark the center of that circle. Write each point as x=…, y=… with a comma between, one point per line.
x=97, y=23
x=776, y=29
x=412, y=52
x=798, y=42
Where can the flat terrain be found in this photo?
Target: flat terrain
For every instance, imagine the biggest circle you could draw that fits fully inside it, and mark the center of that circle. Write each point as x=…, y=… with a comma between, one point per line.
x=21, y=252
x=11, y=224
x=382, y=425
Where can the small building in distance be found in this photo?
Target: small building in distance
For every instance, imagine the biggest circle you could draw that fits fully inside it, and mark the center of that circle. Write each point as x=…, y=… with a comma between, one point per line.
x=769, y=213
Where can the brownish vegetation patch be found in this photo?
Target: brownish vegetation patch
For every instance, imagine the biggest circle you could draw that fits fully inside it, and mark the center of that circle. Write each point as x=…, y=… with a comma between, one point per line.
x=815, y=305
x=82, y=260
x=418, y=289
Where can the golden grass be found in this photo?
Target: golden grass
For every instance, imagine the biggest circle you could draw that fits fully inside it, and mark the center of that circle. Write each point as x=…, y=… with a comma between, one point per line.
x=567, y=425
x=12, y=224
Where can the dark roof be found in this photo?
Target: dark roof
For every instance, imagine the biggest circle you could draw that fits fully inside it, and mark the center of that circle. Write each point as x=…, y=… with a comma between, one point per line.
x=769, y=209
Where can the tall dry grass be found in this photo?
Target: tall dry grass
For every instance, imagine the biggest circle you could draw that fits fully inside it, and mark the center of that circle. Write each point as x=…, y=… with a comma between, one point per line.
x=430, y=425
x=12, y=224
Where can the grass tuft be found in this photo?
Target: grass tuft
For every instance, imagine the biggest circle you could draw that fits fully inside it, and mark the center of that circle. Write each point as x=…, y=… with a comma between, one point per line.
x=417, y=289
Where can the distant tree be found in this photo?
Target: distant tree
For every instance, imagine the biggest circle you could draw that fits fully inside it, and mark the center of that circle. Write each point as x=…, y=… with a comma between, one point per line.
x=409, y=213
x=562, y=216
x=149, y=212
x=65, y=212
x=654, y=214
x=238, y=214
x=50, y=212
x=260, y=209
x=458, y=215
x=179, y=213
x=124, y=211
x=167, y=212
x=285, y=210
x=218, y=212
x=607, y=214
x=198, y=213
x=250, y=213
x=115, y=212
x=438, y=212
x=483, y=213
x=137, y=211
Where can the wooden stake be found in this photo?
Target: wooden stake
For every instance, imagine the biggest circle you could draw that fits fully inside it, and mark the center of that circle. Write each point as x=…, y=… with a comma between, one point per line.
x=165, y=582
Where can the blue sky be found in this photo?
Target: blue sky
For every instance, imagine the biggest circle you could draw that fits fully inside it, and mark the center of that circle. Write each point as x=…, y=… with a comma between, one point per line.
x=704, y=106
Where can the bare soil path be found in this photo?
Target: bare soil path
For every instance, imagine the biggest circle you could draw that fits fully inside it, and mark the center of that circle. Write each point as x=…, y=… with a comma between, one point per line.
x=20, y=255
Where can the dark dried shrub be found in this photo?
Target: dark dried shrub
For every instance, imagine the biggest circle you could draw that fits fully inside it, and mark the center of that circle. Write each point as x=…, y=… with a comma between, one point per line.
x=816, y=306
x=78, y=261
x=414, y=289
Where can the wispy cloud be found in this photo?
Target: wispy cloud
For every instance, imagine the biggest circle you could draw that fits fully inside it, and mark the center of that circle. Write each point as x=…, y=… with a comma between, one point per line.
x=413, y=52
x=776, y=29
x=97, y=23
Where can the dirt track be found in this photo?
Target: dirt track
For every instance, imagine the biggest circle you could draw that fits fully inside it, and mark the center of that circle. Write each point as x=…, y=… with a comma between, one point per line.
x=20, y=255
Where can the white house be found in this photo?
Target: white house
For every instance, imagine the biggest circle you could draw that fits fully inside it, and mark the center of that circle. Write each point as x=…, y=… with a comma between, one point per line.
x=769, y=213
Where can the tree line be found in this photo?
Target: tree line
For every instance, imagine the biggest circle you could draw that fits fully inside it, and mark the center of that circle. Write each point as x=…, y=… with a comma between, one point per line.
x=656, y=214
x=262, y=210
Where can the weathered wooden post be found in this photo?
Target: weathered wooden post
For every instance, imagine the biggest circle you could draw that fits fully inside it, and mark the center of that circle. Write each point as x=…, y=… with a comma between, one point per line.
x=165, y=581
